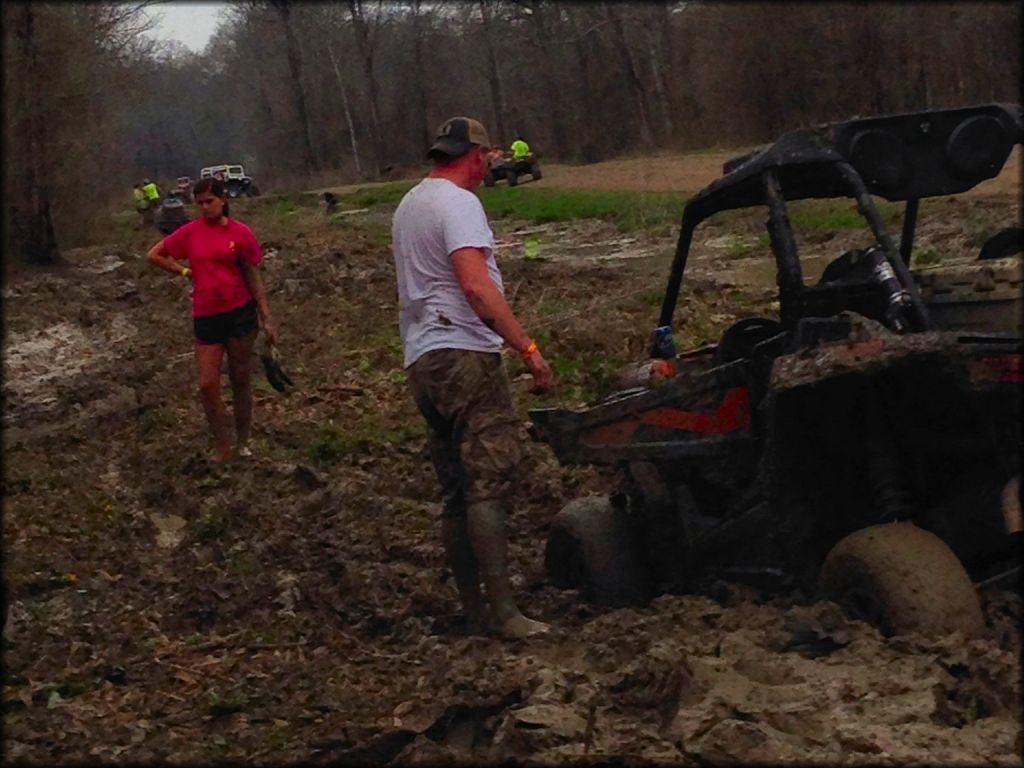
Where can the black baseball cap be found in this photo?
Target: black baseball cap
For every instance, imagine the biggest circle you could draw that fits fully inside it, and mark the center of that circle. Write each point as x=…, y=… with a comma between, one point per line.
x=457, y=136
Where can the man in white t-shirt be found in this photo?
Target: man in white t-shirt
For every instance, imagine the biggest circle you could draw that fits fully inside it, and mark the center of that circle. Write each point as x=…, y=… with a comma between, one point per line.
x=453, y=320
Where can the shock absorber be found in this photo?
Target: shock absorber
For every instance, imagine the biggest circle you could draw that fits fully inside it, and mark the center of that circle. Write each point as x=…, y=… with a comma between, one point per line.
x=888, y=483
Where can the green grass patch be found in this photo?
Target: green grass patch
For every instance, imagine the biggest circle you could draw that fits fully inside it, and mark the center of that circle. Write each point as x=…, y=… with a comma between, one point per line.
x=978, y=231
x=564, y=367
x=332, y=444
x=925, y=257
x=628, y=210
x=653, y=298
x=386, y=194
x=737, y=248
x=837, y=214
x=283, y=206
x=216, y=525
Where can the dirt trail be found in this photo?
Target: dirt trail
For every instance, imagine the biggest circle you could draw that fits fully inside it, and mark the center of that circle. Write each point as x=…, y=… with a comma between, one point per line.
x=295, y=607
x=687, y=173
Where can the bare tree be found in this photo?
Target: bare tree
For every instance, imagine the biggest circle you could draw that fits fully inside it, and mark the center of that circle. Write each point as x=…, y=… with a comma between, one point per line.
x=284, y=9
x=365, y=41
x=541, y=16
x=587, y=104
x=494, y=80
x=421, y=127
x=632, y=73
x=32, y=233
x=653, y=30
x=348, y=111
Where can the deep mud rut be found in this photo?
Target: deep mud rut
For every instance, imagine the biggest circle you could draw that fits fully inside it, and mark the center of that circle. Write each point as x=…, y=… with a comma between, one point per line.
x=295, y=606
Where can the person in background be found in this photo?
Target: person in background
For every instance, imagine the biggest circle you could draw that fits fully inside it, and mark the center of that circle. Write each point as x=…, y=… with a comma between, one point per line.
x=142, y=206
x=453, y=321
x=229, y=305
x=520, y=148
x=496, y=155
x=152, y=193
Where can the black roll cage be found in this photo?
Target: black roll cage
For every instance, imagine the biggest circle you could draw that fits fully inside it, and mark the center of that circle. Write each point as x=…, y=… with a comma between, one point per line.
x=898, y=157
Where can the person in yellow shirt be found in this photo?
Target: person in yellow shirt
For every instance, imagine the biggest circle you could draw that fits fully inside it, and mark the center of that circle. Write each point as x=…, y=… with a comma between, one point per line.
x=152, y=192
x=142, y=205
x=520, y=149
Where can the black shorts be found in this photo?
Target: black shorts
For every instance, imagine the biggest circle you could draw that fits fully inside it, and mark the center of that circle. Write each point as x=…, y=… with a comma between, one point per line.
x=217, y=329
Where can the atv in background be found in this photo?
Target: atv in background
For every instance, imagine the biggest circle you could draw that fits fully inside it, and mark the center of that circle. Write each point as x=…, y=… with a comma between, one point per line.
x=172, y=212
x=863, y=445
x=183, y=187
x=504, y=167
x=236, y=183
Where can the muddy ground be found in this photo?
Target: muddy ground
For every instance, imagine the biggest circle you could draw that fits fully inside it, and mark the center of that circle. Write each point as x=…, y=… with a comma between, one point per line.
x=295, y=606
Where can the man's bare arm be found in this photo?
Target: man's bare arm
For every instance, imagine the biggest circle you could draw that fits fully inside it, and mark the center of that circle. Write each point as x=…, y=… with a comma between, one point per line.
x=493, y=309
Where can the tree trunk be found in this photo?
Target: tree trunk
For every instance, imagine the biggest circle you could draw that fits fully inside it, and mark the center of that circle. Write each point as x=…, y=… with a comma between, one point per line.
x=348, y=112
x=660, y=91
x=298, y=91
x=633, y=80
x=31, y=217
x=257, y=59
x=422, y=132
x=554, y=96
x=364, y=39
x=587, y=150
x=497, y=87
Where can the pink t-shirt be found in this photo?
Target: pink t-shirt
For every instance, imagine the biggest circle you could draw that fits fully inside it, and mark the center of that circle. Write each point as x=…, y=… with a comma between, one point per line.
x=214, y=253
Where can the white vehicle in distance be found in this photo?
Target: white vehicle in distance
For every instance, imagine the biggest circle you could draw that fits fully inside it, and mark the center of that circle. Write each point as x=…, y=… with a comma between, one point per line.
x=237, y=184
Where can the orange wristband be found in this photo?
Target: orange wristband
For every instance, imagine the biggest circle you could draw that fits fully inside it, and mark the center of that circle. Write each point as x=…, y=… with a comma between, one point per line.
x=530, y=349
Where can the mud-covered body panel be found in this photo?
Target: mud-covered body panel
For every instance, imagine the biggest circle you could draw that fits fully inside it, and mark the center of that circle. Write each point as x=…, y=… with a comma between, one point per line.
x=877, y=394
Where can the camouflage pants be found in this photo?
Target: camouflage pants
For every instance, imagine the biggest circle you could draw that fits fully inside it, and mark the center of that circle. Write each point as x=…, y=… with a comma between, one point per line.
x=473, y=430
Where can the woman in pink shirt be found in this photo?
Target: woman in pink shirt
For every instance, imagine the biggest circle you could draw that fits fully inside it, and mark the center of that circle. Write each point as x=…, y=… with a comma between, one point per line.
x=229, y=305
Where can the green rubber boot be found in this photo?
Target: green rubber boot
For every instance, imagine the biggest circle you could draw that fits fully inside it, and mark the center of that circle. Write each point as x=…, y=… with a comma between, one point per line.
x=462, y=561
x=486, y=521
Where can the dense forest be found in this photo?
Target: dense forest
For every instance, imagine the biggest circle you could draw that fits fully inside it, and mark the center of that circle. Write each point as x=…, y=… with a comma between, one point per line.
x=307, y=93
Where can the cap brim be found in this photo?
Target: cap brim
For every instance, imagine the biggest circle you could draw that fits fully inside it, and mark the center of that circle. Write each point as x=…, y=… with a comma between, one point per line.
x=449, y=147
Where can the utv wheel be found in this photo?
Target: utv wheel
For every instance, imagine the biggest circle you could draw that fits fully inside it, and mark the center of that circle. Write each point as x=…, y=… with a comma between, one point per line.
x=512, y=178
x=902, y=579
x=535, y=172
x=589, y=548
x=253, y=191
x=489, y=179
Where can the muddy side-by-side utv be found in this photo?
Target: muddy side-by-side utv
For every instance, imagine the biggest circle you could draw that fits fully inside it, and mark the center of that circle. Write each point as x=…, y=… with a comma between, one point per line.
x=864, y=445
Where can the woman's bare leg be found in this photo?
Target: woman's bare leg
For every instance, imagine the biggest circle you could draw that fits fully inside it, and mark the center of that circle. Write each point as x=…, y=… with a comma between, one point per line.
x=240, y=374
x=208, y=359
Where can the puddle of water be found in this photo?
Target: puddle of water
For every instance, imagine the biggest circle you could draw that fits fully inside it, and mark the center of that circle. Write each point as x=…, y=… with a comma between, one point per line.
x=35, y=361
x=104, y=264
x=578, y=242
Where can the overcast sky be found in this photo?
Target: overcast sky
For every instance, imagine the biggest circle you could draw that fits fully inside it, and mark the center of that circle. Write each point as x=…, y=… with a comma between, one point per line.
x=189, y=23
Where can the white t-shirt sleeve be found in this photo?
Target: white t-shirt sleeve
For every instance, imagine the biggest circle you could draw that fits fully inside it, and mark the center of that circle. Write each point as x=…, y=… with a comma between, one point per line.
x=465, y=225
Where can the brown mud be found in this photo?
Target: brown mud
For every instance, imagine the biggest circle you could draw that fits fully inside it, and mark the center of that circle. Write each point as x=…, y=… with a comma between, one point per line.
x=295, y=606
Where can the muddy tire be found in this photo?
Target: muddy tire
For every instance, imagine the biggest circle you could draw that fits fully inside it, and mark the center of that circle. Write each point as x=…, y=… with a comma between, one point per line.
x=589, y=548
x=489, y=179
x=901, y=578
x=535, y=171
x=512, y=178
